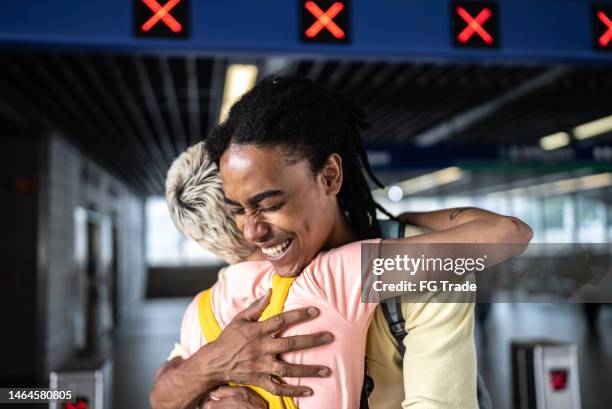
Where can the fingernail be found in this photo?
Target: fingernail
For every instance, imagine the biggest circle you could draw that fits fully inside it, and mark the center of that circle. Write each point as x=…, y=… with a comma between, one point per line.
x=324, y=372
x=307, y=393
x=311, y=311
x=326, y=337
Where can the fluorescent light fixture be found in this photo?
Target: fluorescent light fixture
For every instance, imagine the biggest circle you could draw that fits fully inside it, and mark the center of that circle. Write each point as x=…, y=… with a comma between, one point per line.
x=555, y=141
x=421, y=183
x=239, y=79
x=593, y=128
x=431, y=180
x=395, y=193
x=560, y=187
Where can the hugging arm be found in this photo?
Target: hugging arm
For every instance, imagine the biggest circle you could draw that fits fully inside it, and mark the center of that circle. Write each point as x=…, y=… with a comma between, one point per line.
x=460, y=233
x=237, y=397
x=246, y=353
x=181, y=384
x=469, y=225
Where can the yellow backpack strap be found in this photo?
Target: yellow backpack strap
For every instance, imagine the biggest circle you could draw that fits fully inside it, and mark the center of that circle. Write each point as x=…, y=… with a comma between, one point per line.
x=280, y=290
x=208, y=323
x=211, y=330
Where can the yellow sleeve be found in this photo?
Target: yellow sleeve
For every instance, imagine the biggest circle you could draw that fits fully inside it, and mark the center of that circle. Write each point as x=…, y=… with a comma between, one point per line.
x=384, y=364
x=439, y=366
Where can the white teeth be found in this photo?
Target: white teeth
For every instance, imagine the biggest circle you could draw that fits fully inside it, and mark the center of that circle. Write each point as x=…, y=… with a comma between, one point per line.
x=277, y=250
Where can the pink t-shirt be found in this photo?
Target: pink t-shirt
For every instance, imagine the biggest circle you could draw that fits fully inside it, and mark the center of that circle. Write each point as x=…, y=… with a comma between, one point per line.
x=331, y=282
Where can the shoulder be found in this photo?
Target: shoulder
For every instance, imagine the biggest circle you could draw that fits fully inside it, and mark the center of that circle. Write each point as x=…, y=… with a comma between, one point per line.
x=190, y=335
x=348, y=256
x=236, y=276
x=246, y=268
x=351, y=250
x=190, y=316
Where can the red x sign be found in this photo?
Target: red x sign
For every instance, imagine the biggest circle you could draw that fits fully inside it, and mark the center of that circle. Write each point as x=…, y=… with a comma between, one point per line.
x=474, y=25
x=324, y=19
x=606, y=37
x=163, y=14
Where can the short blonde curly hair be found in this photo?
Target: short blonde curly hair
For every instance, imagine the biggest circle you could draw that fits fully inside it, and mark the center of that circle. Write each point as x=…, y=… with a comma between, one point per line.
x=195, y=199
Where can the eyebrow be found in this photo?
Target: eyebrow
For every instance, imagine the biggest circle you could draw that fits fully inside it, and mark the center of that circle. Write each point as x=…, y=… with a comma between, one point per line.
x=254, y=200
x=230, y=201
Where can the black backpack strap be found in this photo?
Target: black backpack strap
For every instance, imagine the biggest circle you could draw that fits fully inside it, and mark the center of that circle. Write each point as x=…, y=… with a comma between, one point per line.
x=392, y=310
x=389, y=229
x=366, y=390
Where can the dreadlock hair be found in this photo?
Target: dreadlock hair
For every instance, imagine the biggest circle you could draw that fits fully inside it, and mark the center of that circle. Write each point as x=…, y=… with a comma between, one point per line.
x=312, y=122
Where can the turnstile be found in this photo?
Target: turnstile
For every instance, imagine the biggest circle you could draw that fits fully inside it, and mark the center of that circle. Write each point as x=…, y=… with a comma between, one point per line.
x=545, y=375
x=91, y=388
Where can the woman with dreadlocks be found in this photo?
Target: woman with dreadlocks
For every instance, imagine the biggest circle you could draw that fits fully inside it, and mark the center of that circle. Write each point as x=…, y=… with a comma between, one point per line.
x=291, y=157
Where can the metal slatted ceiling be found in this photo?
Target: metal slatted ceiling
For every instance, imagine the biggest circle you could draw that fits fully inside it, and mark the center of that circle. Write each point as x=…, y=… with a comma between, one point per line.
x=578, y=97
x=135, y=113
x=402, y=100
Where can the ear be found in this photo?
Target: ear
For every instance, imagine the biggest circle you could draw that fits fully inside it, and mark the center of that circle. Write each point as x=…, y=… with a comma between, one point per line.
x=332, y=174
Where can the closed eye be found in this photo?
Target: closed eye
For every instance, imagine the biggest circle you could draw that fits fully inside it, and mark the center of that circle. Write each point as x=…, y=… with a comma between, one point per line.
x=272, y=208
x=236, y=210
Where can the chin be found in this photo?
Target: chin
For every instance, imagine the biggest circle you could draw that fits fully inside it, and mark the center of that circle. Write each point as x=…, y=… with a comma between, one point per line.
x=290, y=274
x=287, y=271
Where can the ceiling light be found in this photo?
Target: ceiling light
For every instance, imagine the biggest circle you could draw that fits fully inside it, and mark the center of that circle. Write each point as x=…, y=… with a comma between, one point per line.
x=421, y=183
x=560, y=187
x=239, y=79
x=555, y=141
x=593, y=128
x=395, y=193
x=431, y=180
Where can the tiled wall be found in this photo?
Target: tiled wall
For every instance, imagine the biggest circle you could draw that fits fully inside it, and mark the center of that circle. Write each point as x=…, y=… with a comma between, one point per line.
x=76, y=181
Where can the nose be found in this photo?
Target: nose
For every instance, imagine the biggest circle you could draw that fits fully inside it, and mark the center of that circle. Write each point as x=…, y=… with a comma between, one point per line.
x=255, y=231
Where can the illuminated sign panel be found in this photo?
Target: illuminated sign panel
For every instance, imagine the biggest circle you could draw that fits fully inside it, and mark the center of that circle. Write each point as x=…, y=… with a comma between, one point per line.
x=559, y=379
x=81, y=403
x=324, y=21
x=475, y=24
x=602, y=27
x=161, y=18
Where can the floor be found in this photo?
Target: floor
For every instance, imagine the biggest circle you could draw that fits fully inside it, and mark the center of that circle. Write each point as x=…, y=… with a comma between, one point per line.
x=146, y=339
x=143, y=343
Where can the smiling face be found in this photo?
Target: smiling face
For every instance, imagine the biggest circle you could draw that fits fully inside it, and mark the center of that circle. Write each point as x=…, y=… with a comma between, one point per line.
x=280, y=205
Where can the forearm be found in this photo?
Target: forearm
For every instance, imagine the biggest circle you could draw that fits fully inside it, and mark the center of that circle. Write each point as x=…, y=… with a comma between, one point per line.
x=486, y=226
x=183, y=383
x=434, y=220
x=486, y=241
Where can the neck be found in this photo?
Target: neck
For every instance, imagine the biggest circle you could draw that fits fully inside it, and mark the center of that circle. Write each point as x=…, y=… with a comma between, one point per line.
x=341, y=233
